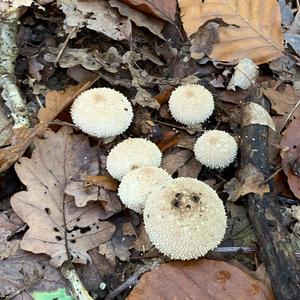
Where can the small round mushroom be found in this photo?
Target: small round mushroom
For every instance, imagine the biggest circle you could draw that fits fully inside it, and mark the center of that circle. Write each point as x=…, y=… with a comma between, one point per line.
x=102, y=112
x=136, y=186
x=215, y=149
x=191, y=104
x=130, y=154
x=185, y=218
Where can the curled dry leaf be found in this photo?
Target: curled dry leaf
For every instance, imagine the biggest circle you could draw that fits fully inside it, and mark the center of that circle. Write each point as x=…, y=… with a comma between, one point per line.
x=165, y=10
x=106, y=182
x=20, y=140
x=256, y=114
x=243, y=34
x=52, y=216
x=57, y=101
x=290, y=155
x=211, y=279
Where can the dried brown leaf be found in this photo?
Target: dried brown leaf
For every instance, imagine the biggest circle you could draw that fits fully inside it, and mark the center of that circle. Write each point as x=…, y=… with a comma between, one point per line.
x=50, y=214
x=169, y=139
x=252, y=29
x=142, y=242
x=106, y=182
x=290, y=155
x=20, y=140
x=57, y=101
x=211, y=279
x=165, y=10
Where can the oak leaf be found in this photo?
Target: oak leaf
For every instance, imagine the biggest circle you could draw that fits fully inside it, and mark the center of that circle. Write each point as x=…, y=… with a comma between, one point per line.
x=54, y=220
x=201, y=279
x=247, y=28
x=165, y=10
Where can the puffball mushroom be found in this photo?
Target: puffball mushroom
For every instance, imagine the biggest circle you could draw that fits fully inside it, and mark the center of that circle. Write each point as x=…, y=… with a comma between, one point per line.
x=185, y=218
x=130, y=154
x=136, y=186
x=102, y=112
x=215, y=149
x=191, y=104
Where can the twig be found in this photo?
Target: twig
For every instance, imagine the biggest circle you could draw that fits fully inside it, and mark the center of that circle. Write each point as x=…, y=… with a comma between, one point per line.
x=8, y=55
x=289, y=116
x=132, y=280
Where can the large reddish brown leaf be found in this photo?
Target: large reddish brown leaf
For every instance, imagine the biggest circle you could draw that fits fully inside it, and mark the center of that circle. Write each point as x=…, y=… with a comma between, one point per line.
x=203, y=279
x=52, y=216
x=163, y=9
x=254, y=29
x=290, y=155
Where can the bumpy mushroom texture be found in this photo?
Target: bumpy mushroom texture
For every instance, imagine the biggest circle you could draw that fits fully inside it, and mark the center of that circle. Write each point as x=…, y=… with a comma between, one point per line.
x=102, y=112
x=215, y=149
x=185, y=218
x=137, y=185
x=191, y=104
x=131, y=154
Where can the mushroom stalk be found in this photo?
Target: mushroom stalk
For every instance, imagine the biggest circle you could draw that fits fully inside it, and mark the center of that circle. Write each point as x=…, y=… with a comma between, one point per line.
x=8, y=54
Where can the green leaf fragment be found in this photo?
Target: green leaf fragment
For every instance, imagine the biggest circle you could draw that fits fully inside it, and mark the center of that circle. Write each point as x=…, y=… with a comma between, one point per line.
x=59, y=294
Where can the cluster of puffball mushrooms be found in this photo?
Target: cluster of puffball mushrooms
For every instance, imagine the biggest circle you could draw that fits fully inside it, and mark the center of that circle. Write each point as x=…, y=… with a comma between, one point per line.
x=184, y=217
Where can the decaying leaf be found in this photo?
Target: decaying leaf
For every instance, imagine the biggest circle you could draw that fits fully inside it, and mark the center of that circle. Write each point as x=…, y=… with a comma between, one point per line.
x=139, y=18
x=106, y=182
x=245, y=74
x=57, y=101
x=7, y=248
x=51, y=215
x=96, y=15
x=256, y=114
x=243, y=34
x=209, y=279
x=290, y=155
x=142, y=242
x=165, y=10
x=20, y=140
x=284, y=98
x=25, y=273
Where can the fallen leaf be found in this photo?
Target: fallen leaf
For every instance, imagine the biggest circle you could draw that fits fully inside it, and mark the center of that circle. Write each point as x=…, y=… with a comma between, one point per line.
x=211, y=279
x=256, y=114
x=7, y=248
x=20, y=140
x=243, y=34
x=287, y=15
x=139, y=18
x=245, y=74
x=142, y=242
x=96, y=15
x=191, y=169
x=292, y=34
x=164, y=96
x=235, y=97
x=11, y=222
x=284, y=98
x=290, y=154
x=144, y=98
x=6, y=128
x=128, y=229
x=57, y=101
x=106, y=182
x=28, y=270
x=169, y=139
x=165, y=10
x=51, y=215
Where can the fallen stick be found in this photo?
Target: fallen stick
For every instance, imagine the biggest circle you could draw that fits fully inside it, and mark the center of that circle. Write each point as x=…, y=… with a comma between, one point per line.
x=8, y=55
x=273, y=238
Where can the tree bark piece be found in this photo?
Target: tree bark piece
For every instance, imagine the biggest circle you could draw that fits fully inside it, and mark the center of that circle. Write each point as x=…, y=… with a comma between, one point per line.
x=274, y=244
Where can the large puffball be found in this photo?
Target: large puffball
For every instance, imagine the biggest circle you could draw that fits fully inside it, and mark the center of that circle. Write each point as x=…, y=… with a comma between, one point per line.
x=136, y=186
x=215, y=149
x=191, y=104
x=130, y=154
x=185, y=218
x=102, y=112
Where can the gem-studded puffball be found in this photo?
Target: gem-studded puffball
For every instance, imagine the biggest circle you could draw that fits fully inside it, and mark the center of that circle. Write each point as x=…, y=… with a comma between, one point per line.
x=136, y=186
x=215, y=149
x=191, y=104
x=185, y=218
x=131, y=154
x=102, y=112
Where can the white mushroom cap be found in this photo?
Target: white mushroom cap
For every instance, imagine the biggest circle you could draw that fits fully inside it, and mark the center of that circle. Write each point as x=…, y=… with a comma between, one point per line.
x=102, y=112
x=136, y=186
x=185, y=218
x=130, y=154
x=191, y=104
x=215, y=149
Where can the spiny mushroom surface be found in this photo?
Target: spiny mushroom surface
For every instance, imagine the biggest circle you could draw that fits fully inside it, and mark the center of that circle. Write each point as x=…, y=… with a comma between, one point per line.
x=185, y=218
x=215, y=149
x=130, y=154
x=191, y=104
x=136, y=186
x=102, y=112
